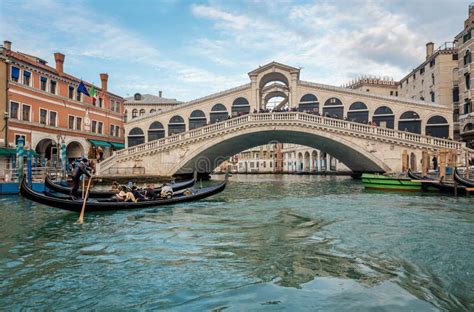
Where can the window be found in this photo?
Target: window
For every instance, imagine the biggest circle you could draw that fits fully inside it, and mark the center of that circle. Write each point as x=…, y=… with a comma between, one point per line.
x=26, y=112
x=71, y=92
x=94, y=126
x=455, y=56
x=134, y=113
x=117, y=131
x=52, y=86
x=422, y=70
x=467, y=57
x=414, y=76
x=112, y=130
x=43, y=81
x=467, y=77
x=100, y=125
x=432, y=96
x=15, y=75
x=396, y=93
x=18, y=136
x=467, y=36
x=52, y=118
x=432, y=62
x=432, y=78
x=26, y=78
x=142, y=112
x=14, y=107
x=78, y=96
x=100, y=102
x=78, y=123
x=391, y=92
x=43, y=116
x=71, y=122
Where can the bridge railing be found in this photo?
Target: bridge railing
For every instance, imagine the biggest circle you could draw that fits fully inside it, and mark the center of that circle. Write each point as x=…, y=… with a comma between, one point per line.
x=335, y=124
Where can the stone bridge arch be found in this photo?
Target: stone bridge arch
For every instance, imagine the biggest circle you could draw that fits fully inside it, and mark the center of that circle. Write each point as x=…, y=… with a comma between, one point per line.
x=209, y=155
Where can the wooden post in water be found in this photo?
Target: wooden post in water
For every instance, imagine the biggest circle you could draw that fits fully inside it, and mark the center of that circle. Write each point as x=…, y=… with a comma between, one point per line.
x=404, y=161
x=442, y=164
x=425, y=163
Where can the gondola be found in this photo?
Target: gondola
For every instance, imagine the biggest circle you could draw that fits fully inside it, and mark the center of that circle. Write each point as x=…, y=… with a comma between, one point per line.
x=461, y=180
x=443, y=187
x=109, y=205
x=107, y=194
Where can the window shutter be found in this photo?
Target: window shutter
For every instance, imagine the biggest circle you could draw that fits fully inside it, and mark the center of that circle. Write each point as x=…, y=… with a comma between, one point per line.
x=15, y=72
x=26, y=73
x=44, y=79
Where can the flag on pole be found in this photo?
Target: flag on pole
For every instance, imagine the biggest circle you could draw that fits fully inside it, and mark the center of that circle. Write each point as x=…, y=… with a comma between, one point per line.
x=82, y=89
x=93, y=94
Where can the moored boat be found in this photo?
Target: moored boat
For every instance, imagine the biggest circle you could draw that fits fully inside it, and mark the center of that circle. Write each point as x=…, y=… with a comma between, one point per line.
x=390, y=183
x=177, y=186
x=440, y=186
x=109, y=205
x=461, y=179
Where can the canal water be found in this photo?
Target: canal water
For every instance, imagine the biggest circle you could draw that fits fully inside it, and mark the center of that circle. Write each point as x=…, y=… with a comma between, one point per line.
x=299, y=243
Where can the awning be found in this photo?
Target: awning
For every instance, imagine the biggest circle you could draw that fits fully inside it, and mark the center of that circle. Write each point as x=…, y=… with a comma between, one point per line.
x=117, y=145
x=100, y=143
x=4, y=151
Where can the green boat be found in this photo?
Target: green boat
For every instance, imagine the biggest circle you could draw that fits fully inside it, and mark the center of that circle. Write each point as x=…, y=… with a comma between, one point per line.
x=390, y=183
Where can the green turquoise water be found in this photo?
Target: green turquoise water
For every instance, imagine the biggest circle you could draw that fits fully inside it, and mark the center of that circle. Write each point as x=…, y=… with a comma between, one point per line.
x=299, y=243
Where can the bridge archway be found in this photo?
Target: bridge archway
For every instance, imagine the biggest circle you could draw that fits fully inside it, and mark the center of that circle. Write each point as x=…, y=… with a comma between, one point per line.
x=176, y=125
x=211, y=154
x=437, y=126
x=334, y=108
x=275, y=100
x=308, y=102
x=197, y=119
x=218, y=113
x=135, y=137
x=358, y=112
x=384, y=117
x=240, y=106
x=156, y=131
x=410, y=121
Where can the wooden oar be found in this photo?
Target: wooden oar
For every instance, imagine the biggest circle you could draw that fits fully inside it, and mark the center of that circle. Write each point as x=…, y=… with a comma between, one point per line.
x=81, y=216
x=83, y=187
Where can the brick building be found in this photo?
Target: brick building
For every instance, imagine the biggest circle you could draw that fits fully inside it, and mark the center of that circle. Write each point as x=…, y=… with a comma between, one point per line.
x=41, y=104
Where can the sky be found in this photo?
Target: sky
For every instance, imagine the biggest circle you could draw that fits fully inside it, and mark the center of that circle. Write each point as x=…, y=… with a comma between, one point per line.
x=193, y=49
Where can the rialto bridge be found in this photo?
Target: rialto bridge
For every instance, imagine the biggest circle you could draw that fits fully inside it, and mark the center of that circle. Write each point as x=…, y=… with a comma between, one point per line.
x=367, y=132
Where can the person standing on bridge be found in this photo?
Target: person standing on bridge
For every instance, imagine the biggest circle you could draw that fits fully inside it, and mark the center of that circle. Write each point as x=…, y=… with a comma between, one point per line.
x=81, y=168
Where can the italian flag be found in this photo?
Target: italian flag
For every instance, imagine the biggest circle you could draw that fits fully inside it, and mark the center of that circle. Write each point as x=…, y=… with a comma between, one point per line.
x=93, y=94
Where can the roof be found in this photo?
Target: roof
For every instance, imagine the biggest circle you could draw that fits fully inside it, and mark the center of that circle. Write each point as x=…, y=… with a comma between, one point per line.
x=274, y=64
x=150, y=99
x=40, y=63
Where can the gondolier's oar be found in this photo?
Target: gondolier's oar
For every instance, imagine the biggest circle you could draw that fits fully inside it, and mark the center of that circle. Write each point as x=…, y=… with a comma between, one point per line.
x=81, y=216
x=83, y=187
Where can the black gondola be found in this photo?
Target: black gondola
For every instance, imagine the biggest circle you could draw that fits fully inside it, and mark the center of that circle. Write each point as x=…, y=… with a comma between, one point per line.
x=108, y=205
x=443, y=187
x=107, y=194
x=461, y=180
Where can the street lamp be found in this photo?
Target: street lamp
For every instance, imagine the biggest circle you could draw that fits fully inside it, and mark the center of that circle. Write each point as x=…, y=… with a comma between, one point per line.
x=59, y=151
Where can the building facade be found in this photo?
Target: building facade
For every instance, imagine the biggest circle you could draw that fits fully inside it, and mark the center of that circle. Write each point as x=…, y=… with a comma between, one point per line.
x=41, y=104
x=464, y=80
x=144, y=104
x=377, y=85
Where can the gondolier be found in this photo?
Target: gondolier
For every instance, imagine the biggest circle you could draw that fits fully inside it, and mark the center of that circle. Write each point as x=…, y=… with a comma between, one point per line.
x=81, y=168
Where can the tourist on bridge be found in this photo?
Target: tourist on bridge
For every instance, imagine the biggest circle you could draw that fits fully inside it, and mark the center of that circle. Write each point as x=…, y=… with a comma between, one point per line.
x=435, y=163
x=81, y=169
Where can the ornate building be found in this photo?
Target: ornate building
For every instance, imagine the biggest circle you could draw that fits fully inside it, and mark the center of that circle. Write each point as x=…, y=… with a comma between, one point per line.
x=144, y=104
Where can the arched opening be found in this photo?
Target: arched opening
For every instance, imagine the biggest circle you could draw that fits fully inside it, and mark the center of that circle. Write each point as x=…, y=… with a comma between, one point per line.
x=307, y=162
x=314, y=161
x=135, y=137
x=240, y=106
x=152, y=111
x=218, y=113
x=137, y=97
x=410, y=121
x=156, y=131
x=358, y=112
x=47, y=151
x=176, y=125
x=197, y=119
x=468, y=127
x=333, y=108
x=74, y=150
x=384, y=117
x=413, y=162
x=142, y=112
x=437, y=126
x=135, y=113
x=308, y=103
x=275, y=101
x=274, y=77
x=467, y=57
x=300, y=162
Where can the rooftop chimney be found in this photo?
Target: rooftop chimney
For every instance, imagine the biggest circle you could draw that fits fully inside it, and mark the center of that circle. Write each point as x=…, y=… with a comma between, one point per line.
x=59, y=58
x=104, y=78
x=160, y=93
x=7, y=45
x=429, y=49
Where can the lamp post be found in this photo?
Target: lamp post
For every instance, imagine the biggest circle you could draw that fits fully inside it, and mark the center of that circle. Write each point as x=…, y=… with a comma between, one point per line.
x=59, y=153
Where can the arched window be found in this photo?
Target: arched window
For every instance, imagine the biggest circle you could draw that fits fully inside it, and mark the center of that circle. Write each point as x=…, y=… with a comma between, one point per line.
x=410, y=121
x=308, y=102
x=142, y=112
x=197, y=119
x=384, y=117
x=134, y=113
x=125, y=116
x=137, y=97
x=333, y=108
x=176, y=125
x=135, y=137
x=156, y=131
x=218, y=113
x=358, y=112
x=467, y=57
x=240, y=106
x=152, y=111
x=437, y=126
